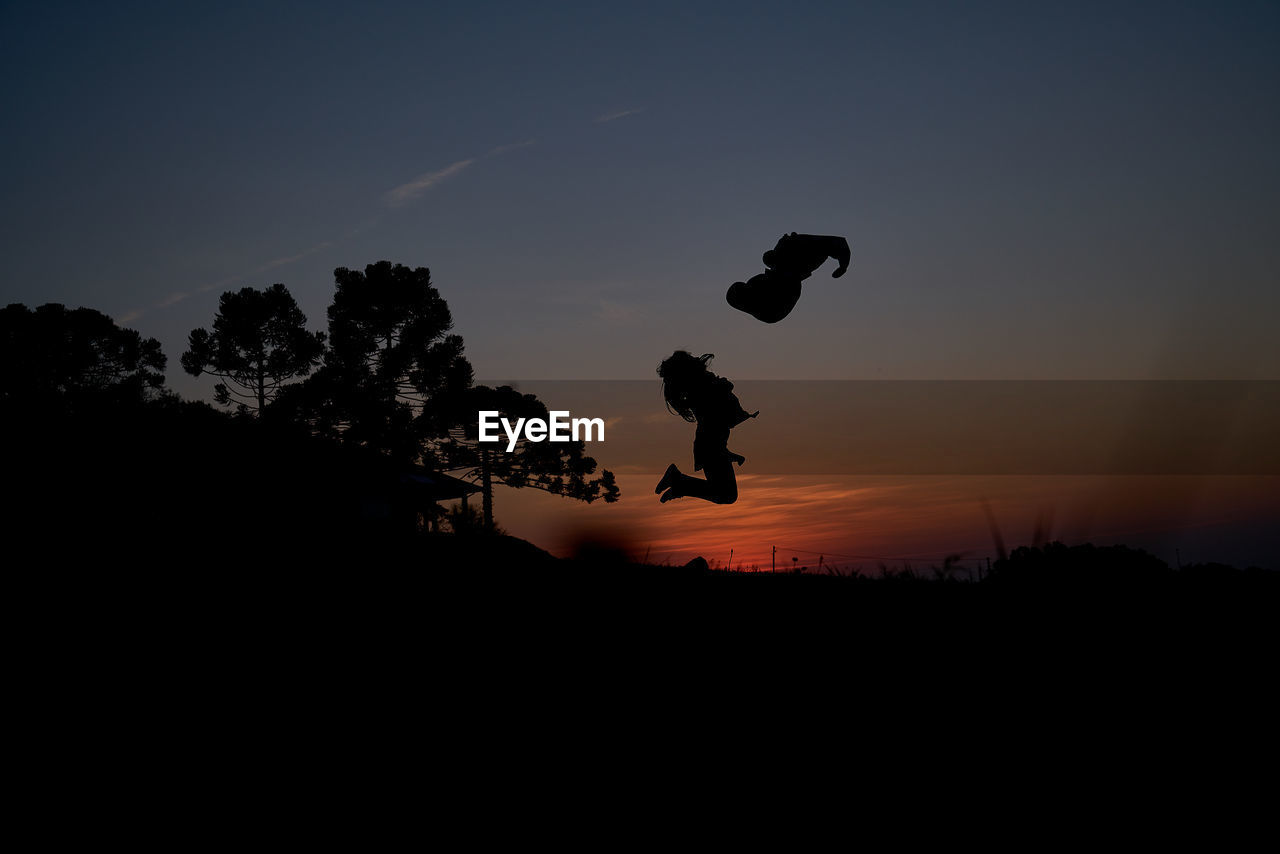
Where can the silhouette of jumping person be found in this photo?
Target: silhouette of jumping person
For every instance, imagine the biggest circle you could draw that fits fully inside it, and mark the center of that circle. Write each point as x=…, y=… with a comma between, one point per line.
x=771, y=295
x=698, y=395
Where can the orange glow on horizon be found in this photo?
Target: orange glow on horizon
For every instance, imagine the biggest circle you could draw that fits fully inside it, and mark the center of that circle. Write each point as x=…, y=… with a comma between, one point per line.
x=858, y=521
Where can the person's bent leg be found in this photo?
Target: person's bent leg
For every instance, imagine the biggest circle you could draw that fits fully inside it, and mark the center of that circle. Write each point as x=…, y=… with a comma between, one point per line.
x=669, y=478
x=722, y=484
x=719, y=487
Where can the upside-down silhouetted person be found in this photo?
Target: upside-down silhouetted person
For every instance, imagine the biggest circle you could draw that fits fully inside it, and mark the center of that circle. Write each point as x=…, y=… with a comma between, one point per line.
x=698, y=395
x=771, y=295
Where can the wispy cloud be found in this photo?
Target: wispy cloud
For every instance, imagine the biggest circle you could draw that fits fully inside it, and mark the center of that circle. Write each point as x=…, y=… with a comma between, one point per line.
x=410, y=191
x=609, y=303
x=617, y=313
x=609, y=117
x=280, y=262
x=406, y=193
x=395, y=197
x=178, y=296
x=503, y=149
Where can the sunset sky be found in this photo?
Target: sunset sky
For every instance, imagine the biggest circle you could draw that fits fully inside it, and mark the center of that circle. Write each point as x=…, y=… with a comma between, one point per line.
x=1032, y=191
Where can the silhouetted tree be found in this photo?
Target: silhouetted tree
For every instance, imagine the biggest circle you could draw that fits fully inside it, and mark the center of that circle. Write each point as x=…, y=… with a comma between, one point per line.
x=391, y=371
x=55, y=358
x=561, y=468
x=259, y=342
x=394, y=379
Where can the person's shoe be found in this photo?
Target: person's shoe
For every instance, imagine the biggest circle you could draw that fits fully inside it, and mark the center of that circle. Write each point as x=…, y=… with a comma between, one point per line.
x=668, y=495
x=669, y=479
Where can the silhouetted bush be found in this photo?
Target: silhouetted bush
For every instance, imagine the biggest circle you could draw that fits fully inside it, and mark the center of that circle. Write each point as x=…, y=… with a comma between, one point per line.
x=1059, y=565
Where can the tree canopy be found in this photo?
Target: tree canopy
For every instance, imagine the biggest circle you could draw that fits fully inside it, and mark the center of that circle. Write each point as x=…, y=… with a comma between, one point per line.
x=395, y=379
x=389, y=325
x=561, y=468
x=56, y=357
x=391, y=372
x=259, y=342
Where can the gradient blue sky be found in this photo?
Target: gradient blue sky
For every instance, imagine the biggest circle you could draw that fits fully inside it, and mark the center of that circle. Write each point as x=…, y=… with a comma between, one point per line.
x=1031, y=190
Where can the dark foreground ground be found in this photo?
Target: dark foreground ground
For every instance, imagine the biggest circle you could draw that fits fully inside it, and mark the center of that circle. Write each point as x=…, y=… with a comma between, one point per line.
x=478, y=587
x=464, y=661
x=191, y=599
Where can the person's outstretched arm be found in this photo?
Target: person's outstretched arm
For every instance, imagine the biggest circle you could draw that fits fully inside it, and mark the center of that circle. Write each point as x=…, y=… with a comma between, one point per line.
x=838, y=248
x=801, y=254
